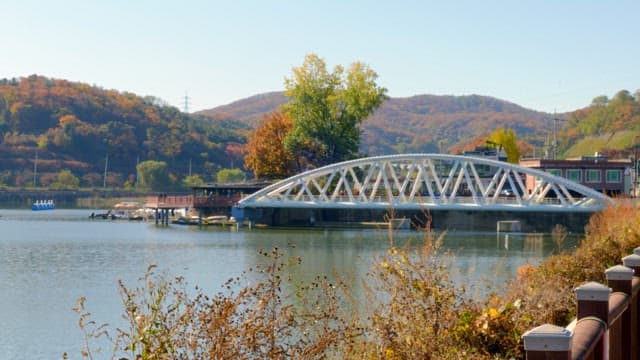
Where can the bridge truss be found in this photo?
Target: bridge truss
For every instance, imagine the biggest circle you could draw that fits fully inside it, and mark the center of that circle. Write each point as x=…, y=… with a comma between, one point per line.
x=427, y=181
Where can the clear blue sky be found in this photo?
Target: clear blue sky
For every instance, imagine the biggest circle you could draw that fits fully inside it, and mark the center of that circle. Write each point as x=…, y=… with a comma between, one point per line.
x=545, y=54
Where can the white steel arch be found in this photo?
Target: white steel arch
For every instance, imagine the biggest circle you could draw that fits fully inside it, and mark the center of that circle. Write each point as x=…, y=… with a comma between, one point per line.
x=427, y=181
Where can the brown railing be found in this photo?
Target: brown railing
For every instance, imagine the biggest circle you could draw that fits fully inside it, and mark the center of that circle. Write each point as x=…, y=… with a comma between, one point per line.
x=216, y=201
x=607, y=324
x=169, y=201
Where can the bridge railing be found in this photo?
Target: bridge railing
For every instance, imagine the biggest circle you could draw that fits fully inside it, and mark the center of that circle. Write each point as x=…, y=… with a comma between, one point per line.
x=427, y=200
x=607, y=325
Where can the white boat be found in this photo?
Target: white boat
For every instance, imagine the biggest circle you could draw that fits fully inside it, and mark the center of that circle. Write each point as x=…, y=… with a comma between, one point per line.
x=219, y=220
x=186, y=220
x=43, y=205
x=127, y=210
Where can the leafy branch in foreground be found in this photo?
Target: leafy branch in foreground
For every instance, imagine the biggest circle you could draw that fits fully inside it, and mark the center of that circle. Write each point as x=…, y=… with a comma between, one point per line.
x=254, y=321
x=91, y=331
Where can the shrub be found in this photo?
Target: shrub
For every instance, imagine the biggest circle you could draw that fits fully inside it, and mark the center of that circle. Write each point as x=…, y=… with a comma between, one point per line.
x=545, y=294
x=417, y=312
x=164, y=322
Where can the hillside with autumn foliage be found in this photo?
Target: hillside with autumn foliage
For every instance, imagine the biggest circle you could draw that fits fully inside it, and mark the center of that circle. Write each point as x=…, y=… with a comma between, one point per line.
x=610, y=126
x=422, y=123
x=62, y=125
x=249, y=110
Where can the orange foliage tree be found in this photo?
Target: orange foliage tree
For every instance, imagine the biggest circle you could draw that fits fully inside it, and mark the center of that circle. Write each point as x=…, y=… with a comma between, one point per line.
x=266, y=154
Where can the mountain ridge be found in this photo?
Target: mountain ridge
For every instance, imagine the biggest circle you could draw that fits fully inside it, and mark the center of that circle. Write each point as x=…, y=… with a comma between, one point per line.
x=418, y=123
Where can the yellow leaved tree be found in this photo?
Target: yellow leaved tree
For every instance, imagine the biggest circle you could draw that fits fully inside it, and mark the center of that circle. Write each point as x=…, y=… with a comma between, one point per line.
x=506, y=139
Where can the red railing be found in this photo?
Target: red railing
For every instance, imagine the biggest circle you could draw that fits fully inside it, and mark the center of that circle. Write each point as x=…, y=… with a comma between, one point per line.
x=607, y=324
x=169, y=201
x=218, y=201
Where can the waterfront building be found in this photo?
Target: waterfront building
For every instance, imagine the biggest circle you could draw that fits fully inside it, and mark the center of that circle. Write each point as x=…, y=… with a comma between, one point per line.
x=212, y=199
x=611, y=177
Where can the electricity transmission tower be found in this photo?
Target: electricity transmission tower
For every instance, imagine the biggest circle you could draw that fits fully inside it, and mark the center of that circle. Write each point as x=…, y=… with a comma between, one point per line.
x=186, y=102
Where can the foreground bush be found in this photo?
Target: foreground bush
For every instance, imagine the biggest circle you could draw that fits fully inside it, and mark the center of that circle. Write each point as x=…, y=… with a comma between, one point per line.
x=545, y=293
x=416, y=308
x=257, y=321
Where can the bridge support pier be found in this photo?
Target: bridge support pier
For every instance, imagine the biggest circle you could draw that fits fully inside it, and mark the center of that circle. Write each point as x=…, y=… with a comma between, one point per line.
x=436, y=219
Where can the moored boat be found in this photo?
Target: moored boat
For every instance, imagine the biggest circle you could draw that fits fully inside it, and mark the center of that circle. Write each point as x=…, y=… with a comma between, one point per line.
x=219, y=220
x=185, y=220
x=126, y=210
x=43, y=205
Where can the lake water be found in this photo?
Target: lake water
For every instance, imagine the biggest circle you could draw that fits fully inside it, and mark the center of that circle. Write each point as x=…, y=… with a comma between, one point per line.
x=48, y=259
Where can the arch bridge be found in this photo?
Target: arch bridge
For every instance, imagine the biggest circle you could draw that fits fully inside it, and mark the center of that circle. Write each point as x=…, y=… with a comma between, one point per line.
x=428, y=181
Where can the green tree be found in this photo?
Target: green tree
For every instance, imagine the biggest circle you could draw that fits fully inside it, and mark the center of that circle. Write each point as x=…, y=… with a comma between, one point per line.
x=623, y=95
x=193, y=180
x=506, y=139
x=327, y=108
x=226, y=176
x=153, y=175
x=65, y=180
x=601, y=100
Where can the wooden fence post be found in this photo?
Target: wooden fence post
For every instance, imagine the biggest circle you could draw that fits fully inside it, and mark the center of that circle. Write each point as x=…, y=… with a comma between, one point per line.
x=619, y=278
x=548, y=342
x=633, y=261
x=593, y=301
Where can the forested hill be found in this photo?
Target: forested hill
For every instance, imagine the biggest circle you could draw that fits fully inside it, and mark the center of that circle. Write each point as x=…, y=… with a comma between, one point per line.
x=86, y=129
x=422, y=123
x=608, y=126
x=249, y=110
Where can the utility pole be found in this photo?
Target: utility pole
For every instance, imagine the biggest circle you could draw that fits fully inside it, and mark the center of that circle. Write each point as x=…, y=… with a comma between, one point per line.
x=137, y=163
x=554, y=153
x=635, y=166
x=35, y=169
x=106, y=165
